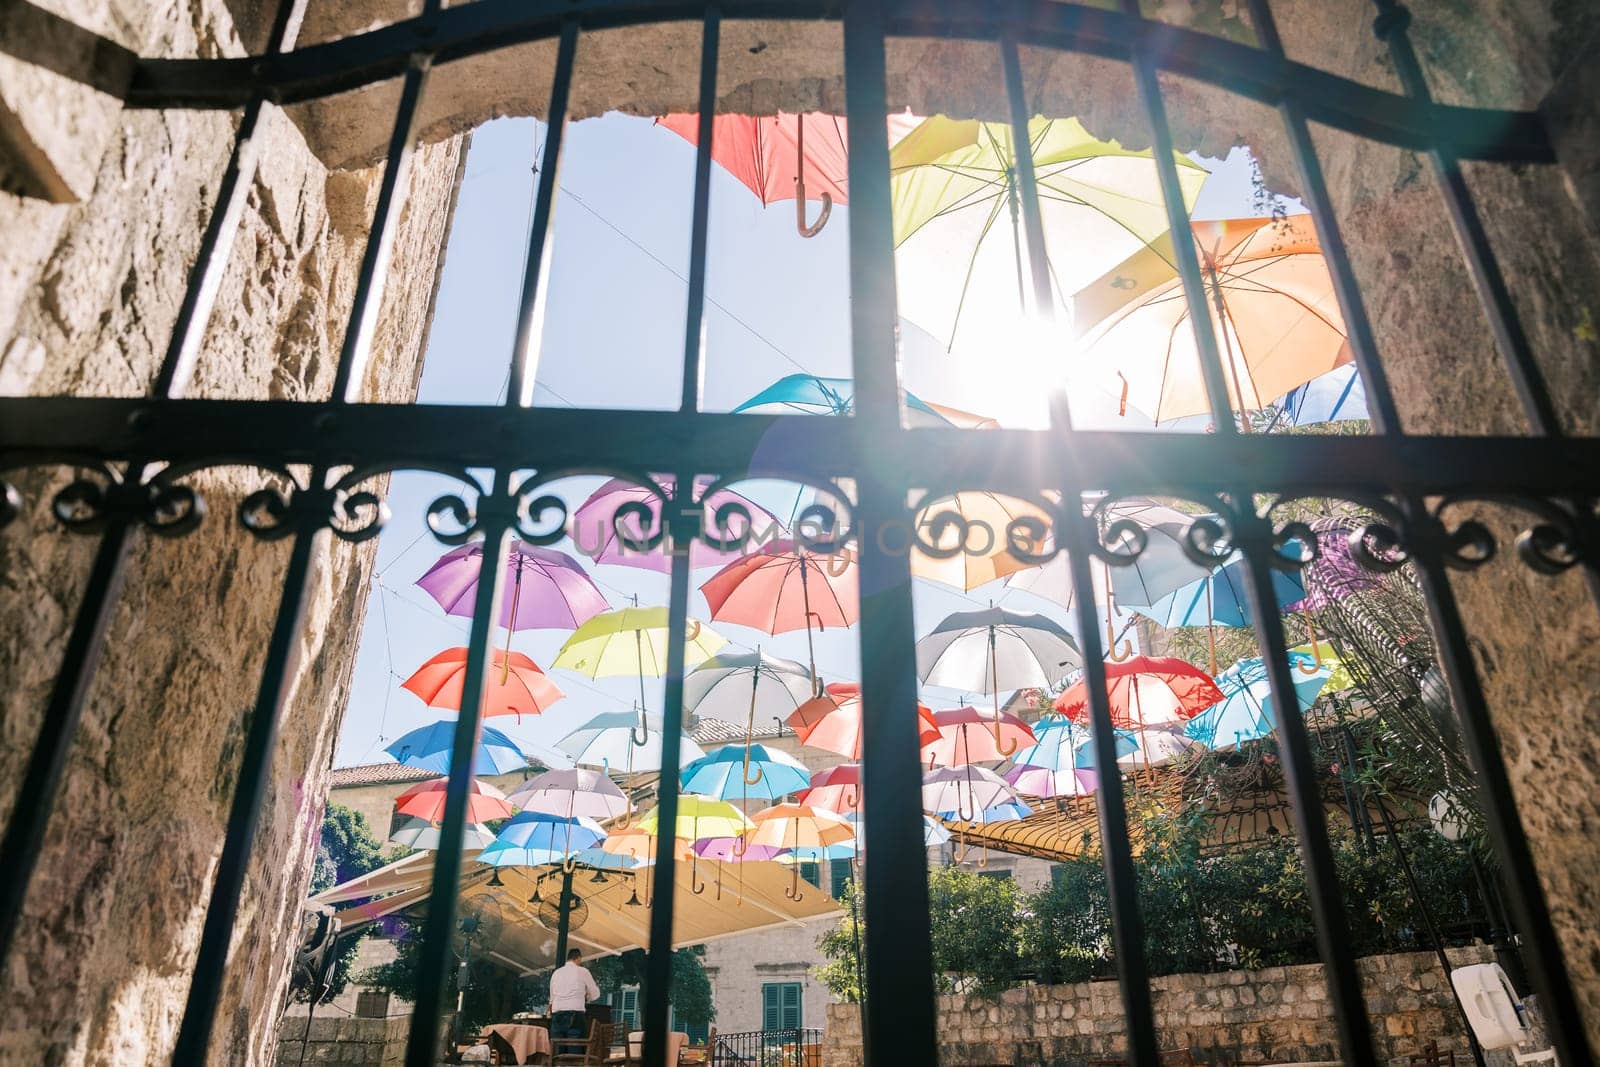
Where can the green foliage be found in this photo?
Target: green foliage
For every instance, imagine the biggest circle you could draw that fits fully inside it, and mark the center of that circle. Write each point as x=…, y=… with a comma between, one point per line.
x=690, y=995
x=346, y=849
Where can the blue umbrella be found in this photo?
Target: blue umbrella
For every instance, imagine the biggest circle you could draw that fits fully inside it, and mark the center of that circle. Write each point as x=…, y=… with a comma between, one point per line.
x=843, y=850
x=736, y=772
x=534, y=838
x=1010, y=811
x=600, y=858
x=1247, y=712
x=813, y=395
x=933, y=831
x=1333, y=397
x=1061, y=744
x=1220, y=599
x=429, y=747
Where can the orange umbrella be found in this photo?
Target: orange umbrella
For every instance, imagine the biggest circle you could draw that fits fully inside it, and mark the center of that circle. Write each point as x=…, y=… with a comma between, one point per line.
x=832, y=721
x=514, y=686
x=797, y=826
x=967, y=735
x=785, y=587
x=979, y=524
x=1274, y=312
x=425, y=800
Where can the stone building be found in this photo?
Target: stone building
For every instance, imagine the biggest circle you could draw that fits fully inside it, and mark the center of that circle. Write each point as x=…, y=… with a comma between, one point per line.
x=102, y=211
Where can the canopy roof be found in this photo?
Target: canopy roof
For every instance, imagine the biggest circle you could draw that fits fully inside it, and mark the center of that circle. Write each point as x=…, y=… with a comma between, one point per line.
x=611, y=925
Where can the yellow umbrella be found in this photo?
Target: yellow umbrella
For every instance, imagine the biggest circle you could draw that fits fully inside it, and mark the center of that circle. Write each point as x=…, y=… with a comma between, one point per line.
x=701, y=817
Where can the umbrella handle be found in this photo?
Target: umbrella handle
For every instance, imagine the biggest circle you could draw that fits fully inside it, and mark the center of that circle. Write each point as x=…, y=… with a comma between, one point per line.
x=821, y=626
x=800, y=211
x=983, y=858
x=760, y=772
x=959, y=852
x=792, y=891
x=1006, y=747
x=627, y=815
x=696, y=886
x=852, y=798
x=741, y=845
x=843, y=564
x=568, y=864
x=1112, y=652
x=1316, y=648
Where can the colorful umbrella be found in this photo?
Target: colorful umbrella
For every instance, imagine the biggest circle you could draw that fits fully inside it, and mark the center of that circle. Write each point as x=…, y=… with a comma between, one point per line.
x=1338, y=673
x=1337, y=396
x=832, y=721
x=1048, y=782
x=429, y=748
x=545, y=589
x=423, y=834
x=1275, y=315
x=610, y=741
x=934, y=832
x=994, y=649
x=535, y=838
x=1334, y=574
x=774, y=154
x=731, y=685
x=967, y=735
x=1158, y=746
x=837, y=788
x=959, y=266
x=594, y=524
x=981, y=538
x=700, y=817
x=810, y=394
x=1145, y=691
x=572, y=793
x=733, y=849
x=1246, y=712
x=963, y=790
x=1221, y=598
x=726, y=773
x=798, y=826
x=426, y=800
x=1060, y=762
x=515, y=685
x=784, y=587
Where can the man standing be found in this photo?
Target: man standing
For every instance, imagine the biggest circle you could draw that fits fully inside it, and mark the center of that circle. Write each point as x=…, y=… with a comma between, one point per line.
x=571, y=989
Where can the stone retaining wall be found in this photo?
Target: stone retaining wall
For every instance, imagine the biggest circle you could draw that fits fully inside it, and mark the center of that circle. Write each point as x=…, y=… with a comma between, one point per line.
x=1279, y=1013
x=343, y=1039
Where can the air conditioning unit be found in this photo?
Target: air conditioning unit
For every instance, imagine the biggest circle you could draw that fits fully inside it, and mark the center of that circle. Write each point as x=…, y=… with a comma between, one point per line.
x=1498, y=1018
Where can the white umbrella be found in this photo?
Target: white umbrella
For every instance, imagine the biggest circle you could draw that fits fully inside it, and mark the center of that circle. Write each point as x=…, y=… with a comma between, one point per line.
x=571, y=793
x=412, y=832
x=1158, y=746
x=731, y=685
x=965, y=790
x=607, y=741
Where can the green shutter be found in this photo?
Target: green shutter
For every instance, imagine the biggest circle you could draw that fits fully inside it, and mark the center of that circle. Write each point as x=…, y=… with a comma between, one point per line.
x=811, y=871
x=839, y=875
x=771, y=1006
x=791, y=1005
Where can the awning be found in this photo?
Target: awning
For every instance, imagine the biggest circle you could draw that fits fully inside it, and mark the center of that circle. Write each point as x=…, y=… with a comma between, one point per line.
x=609, y=925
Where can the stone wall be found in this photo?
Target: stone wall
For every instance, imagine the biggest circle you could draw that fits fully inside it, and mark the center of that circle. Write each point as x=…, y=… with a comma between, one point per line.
x=88, y=293
x=1275, y=1014
x=343, y=1039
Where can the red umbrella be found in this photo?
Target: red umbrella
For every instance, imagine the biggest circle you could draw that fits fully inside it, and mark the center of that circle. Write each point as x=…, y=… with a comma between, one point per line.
x=514, y=686
x=425, y=800
x=967, y=735
x=1146, y=691
x=833, y=721
x=775, y=156
x=838, y=789
x=786, y=587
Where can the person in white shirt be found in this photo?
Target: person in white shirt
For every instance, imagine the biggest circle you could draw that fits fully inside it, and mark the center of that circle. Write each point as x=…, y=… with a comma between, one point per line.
x=571, y=989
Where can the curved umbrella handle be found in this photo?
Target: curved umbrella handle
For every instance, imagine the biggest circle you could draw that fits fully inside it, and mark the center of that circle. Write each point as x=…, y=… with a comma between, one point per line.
x=792, y=891
x=837, y=557
x=644, y=726
x=821, y=626
x=1112, y=653
x=959, y=852
x=741, y=845
x=800, y=211
x=696, y=886
x=627, y=815
x=852, y=798
x=568, y=864
x=760, y=772
x=1316, y=648
x=1007, y=747
x=692, y=633
x=983, y=858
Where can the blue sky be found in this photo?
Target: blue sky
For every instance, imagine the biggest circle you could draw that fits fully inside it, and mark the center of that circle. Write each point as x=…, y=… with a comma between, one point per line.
x=613, y=337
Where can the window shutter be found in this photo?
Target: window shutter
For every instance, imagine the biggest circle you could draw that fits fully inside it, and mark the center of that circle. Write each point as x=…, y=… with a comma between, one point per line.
x=811, y=871
x=771, y=1008
x=791, y=1005
x=839, y=874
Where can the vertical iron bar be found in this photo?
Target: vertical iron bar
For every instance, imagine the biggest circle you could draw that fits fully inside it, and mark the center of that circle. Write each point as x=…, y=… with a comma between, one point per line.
x=658, y=963
x=1127, y=924
x=1188, y=264
x=898, y=1020
x=25, y=830
x=523, y=364
x=496, y=514
x=694, y=320
x=261, y=737
x=1540, y=945
x=1300, y=780
x=1381, y=408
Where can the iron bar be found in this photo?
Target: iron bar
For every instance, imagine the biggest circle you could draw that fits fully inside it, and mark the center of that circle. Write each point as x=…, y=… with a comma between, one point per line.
x=694, y=317
x=897, y=1010
x=1127, y=922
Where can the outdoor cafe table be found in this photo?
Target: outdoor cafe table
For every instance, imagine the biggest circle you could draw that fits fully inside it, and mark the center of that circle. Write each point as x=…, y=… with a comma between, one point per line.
x=526, y=1041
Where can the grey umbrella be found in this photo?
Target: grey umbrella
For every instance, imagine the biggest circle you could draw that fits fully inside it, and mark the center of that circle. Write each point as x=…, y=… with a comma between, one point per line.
x=731, y=685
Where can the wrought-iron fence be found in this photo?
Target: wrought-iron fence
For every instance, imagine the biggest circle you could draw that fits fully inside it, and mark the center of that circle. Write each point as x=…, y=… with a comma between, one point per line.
x=138, y=452
x=794, y=1047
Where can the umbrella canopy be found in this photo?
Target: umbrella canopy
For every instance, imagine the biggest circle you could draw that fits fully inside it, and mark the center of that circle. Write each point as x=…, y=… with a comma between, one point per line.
x=743, y=771
x=993, y=649
x=981, y=536
x=967, y=735
x=832, y=721
x=934, y=832
x=786, y=587
x=797, y=826
x=1010, y=811
x=640, y=845
x=731, y=686
x=837, y=789
x=1220, y=598
x=632, y=641
x=1047, y=782
x=735, y=849
x=572, y=793
x=426, y=800
x=1338, y=674
x=1145, y=691
x=957, y=224
x=1158, y=746
x=1275, y=315
x=1062, y=745
x=1337, y=396
x=514, y=684
x=544, y=589
x=809, y=394
x=700, y=817
x=1246, y=712
x=1334, y=574
x=964, y=790
x=429, y=747
x=609, y=740
x=594, y=524
x=598, y=857
x=1162, y=567
x=422, y=834
x=534, y=838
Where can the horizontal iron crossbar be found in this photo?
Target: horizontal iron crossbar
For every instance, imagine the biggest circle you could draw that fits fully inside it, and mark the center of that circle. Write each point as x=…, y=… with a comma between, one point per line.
x=485, y=25
x=395, y=436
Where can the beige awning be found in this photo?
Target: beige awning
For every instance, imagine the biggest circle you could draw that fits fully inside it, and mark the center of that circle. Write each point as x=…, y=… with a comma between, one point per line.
x=611, y=924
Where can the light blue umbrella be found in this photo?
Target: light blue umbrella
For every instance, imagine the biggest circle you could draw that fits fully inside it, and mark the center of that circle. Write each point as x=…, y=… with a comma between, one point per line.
x=809, y=394
x=1247, y=712
x=737, y=772
x=1220, y=599
x=933, y=831
x=1061, y=744
x=1333, y=397
x=534, y=838
x=1010, y=811
x=603, y=860
x=843, y=850
x=429, y=747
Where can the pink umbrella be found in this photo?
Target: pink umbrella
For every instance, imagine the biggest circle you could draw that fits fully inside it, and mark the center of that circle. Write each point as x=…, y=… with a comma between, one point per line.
x=733, y=849
x=786, y=587
x=967, y=735
x=594, y=525
x=832, y=721
x=838, y=789
x=1044, y=782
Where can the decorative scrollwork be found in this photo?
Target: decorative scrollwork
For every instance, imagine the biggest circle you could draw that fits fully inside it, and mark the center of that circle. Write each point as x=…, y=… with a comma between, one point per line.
x=171, y=509
x=1378, y=546
x=1209, y=540
x=1548, y=548
x=84, y=504
x=1028, y=536
x=1552, y=544
x=1294, y=546
x=269, y=513
x=10, y=503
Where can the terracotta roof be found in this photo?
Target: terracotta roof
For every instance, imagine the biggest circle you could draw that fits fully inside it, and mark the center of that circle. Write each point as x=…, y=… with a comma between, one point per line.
x=377, y=774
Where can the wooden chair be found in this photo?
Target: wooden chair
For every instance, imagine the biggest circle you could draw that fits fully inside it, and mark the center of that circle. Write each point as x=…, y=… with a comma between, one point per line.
x=1431, y=1056
x=596, y=1051
x=702, y=1055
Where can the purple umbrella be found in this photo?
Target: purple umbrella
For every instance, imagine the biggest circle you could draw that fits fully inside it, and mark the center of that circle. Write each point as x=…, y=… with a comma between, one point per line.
x=1334, y=574
x=544, y=590
x=594, y=524
x=728, y=848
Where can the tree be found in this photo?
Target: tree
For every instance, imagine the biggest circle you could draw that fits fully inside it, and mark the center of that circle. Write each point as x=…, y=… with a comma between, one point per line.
x=346, y=849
